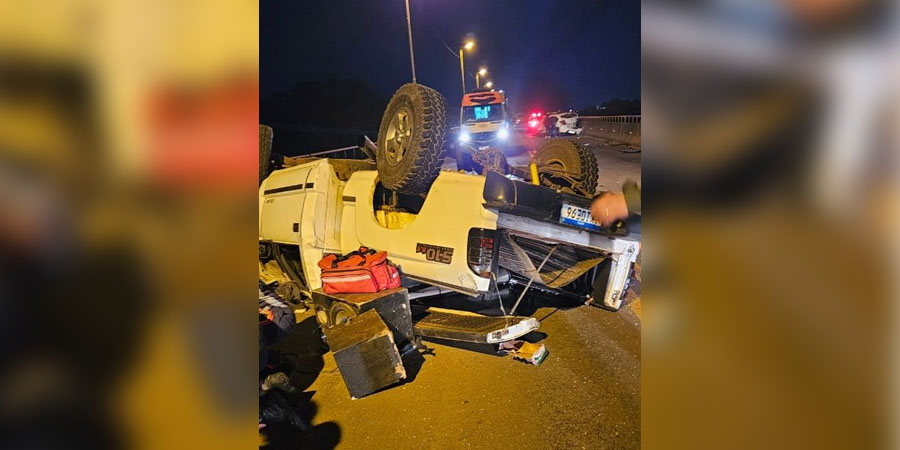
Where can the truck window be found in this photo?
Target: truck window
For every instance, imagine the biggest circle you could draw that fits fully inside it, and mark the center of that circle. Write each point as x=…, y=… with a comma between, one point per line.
x=482, y=113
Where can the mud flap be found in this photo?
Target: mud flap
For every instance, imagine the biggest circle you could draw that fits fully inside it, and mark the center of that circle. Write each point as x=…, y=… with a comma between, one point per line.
x=619, y=272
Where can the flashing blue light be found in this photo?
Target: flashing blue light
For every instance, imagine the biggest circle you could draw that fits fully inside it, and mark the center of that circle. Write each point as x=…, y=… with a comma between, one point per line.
x=463, y=136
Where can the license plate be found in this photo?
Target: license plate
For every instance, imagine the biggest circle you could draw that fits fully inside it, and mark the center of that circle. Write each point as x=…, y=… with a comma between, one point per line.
x=579, y=217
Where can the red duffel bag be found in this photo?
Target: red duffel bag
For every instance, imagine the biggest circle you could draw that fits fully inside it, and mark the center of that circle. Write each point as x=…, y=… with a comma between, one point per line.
x=360, y=271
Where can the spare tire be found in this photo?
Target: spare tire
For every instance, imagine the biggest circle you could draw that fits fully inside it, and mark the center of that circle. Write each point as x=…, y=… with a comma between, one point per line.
x=568, y=165
x=411, y=145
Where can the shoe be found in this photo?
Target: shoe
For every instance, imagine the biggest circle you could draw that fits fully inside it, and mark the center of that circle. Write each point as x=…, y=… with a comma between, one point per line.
x=273, y=408
x=280, y=381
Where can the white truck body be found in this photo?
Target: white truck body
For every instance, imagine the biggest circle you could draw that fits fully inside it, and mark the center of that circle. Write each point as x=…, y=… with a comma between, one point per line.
x=309, y=207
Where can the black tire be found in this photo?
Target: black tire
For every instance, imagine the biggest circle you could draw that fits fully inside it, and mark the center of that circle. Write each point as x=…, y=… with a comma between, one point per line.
x=411, y=144
x=465, y=162
x=265, y=151
x=572, y=159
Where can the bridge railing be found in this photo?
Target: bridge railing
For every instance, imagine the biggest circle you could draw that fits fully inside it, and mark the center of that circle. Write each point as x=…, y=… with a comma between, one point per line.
x=365, y=149
x=624, y=129
x=353, y=152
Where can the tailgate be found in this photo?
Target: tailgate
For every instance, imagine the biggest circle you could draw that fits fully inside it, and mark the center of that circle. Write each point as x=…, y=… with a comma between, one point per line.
x=529, y=200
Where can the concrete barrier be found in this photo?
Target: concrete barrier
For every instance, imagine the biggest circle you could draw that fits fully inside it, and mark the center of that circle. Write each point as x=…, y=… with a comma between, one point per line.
x=624, y=129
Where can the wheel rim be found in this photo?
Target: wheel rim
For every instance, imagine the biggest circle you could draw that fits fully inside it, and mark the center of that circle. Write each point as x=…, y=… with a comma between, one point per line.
x=398, y=136
x=557, y=164
x=341, y=314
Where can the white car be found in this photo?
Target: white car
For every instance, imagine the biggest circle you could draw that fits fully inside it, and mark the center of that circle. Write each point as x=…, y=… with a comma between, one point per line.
x=567, y=123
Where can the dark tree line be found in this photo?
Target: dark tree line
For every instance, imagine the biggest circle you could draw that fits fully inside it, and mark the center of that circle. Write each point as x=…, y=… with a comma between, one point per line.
x=320, y=115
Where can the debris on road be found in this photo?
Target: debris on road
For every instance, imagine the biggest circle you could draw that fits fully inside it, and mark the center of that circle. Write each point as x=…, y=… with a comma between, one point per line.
x=465, y=326
x=392, y=306
x=365, y=352
x=525, y=351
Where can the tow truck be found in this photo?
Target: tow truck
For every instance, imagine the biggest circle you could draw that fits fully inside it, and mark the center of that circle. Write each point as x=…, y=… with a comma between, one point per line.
x=492, y=237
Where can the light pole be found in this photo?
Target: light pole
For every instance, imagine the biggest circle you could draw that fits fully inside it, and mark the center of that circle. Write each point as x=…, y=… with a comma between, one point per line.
x=478, y=76
x=412, y=58
x=462, y=65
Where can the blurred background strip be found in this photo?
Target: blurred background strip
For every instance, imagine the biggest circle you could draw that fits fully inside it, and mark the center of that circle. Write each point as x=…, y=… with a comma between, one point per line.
x=770, y=146
x=128, y=136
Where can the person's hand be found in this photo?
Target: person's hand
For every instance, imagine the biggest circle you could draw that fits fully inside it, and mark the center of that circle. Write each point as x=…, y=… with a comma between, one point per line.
x=608, y=208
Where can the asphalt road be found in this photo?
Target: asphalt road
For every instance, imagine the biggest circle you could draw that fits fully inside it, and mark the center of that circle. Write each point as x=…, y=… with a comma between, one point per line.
x=586, y=394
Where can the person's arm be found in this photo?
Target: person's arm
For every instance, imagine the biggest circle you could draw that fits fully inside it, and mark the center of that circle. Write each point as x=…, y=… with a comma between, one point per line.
x=610, y=207
x=632, y=193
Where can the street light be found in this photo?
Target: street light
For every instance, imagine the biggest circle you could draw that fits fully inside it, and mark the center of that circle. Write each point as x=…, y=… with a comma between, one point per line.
x=412, y=59
x=478, y=76
x=489, y=84
x=462, y=66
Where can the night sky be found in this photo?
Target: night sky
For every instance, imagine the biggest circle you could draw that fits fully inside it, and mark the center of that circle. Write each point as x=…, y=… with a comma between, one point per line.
x=544, y=54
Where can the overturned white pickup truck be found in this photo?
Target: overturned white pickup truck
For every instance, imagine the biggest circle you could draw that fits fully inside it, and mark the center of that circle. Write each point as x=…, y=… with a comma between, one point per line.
x=469, y=232
x=486, y=236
